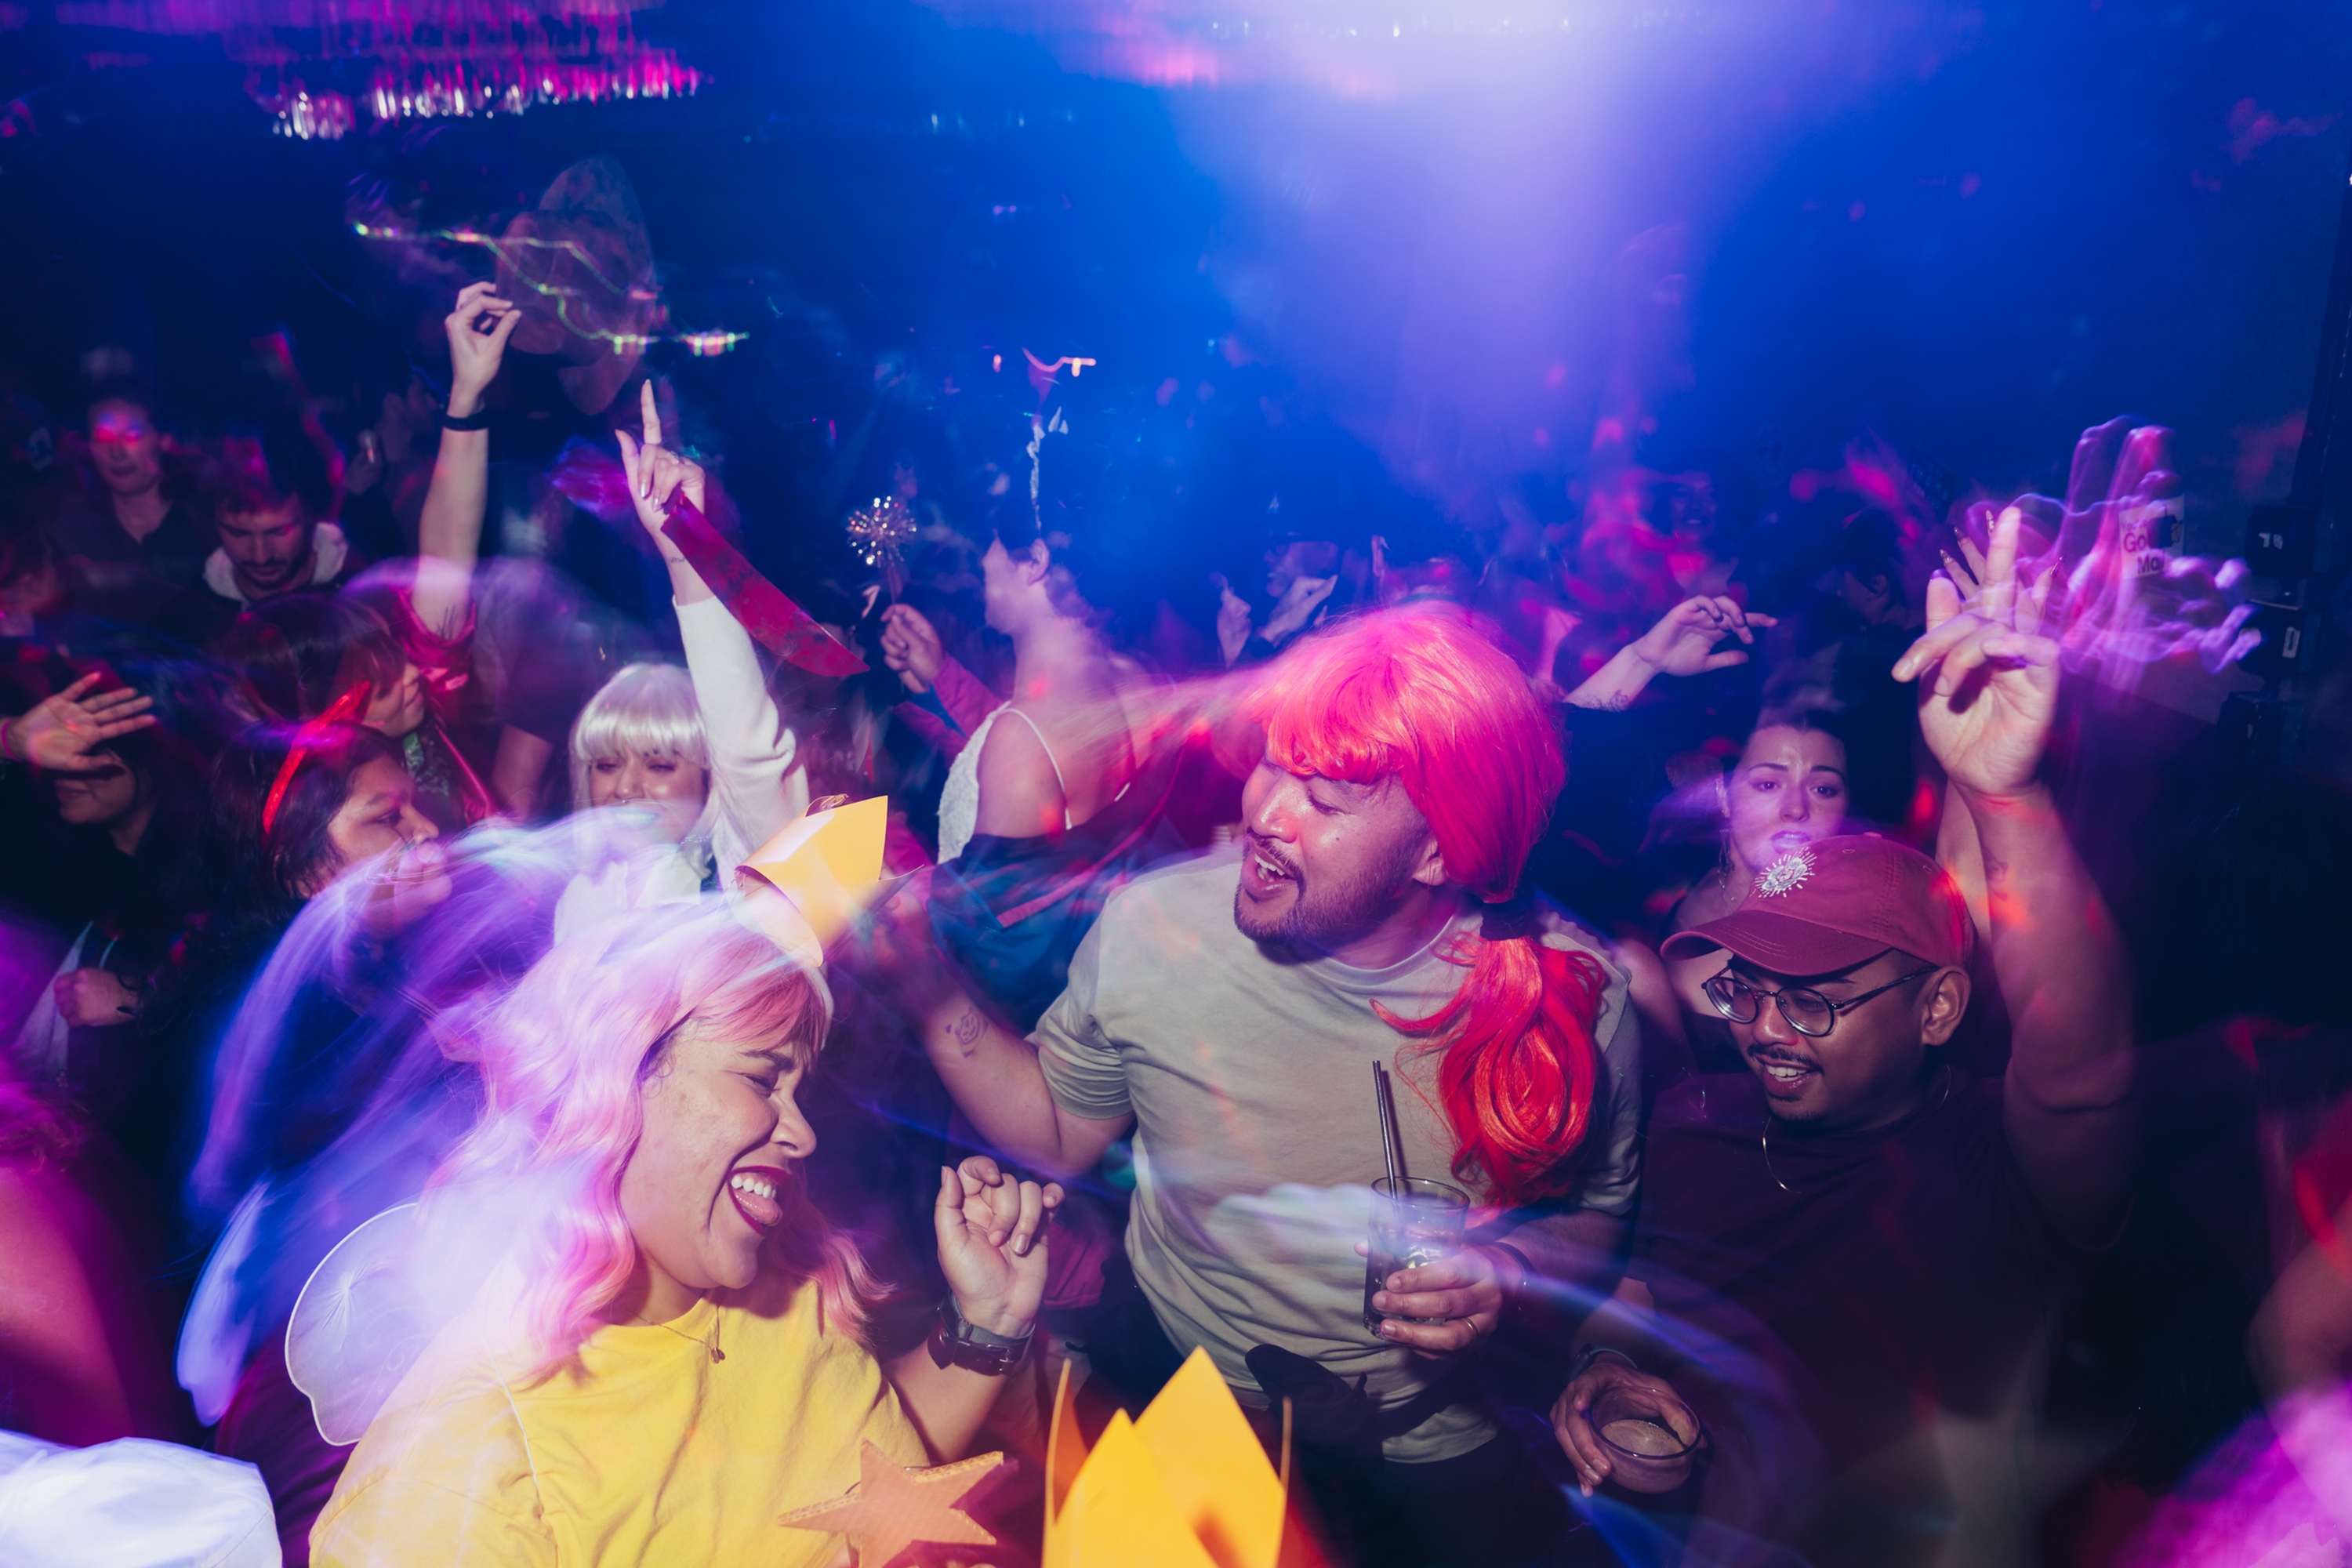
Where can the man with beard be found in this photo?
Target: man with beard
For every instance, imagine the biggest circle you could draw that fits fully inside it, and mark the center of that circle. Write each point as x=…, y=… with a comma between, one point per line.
x=1848, y=1254
x=1225, y=1010
x=272, y=542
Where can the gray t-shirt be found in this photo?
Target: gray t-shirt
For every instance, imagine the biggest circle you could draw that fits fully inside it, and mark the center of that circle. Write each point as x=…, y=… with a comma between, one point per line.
x=1256, y=1134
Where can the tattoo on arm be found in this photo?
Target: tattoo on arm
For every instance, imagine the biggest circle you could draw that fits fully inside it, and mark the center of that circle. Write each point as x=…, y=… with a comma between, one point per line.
x=967, y=1029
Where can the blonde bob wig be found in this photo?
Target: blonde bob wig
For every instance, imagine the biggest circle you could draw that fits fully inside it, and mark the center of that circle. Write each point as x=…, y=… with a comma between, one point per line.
x=646, y=709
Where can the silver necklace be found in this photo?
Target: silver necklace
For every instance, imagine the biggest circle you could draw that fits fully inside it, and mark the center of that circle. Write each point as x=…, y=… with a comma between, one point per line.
x=1764, y=1141
x=711, y=1344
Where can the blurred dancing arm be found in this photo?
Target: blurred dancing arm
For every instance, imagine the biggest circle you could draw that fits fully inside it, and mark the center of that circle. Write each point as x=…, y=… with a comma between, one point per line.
x=2298, y=1346
x=994, y=1074
x=450, y=528
x=1989, y=679
x=1682, y=643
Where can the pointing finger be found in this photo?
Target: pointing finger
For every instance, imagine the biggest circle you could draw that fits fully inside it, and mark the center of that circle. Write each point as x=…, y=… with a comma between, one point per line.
x=2000, y=566
x=652, y=415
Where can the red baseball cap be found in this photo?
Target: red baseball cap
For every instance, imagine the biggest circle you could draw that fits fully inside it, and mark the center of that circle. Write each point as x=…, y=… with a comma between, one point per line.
x=1837, y=902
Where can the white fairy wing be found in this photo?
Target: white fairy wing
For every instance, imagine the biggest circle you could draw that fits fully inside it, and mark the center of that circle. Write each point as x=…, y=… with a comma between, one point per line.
x=362, y=1320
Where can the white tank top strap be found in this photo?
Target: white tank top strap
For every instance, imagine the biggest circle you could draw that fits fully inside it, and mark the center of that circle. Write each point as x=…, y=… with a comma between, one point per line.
x=1042, y=744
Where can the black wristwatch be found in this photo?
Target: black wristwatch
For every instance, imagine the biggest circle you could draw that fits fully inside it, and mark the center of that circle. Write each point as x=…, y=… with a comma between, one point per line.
x=955, y=1342
x=1590, y=1353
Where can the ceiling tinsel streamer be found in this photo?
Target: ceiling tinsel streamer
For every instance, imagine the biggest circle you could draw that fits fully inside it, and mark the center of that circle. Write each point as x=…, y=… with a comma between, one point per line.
x=322, y=66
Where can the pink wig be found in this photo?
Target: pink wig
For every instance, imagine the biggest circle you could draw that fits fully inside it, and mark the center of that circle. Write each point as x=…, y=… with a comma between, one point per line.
x=1422, y=696
x=564, y=1061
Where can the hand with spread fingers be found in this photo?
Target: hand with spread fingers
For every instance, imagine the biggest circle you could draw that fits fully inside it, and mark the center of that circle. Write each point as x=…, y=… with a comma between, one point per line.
x=1467, y=1290
x=1986, y=672
x=991, y=1231
x=59, y=733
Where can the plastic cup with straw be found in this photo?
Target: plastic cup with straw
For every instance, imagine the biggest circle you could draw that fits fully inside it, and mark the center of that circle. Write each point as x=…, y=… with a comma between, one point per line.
x=1414, y=1220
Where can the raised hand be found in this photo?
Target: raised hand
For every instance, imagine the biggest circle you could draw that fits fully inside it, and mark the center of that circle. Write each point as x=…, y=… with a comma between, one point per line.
x=1299, y=601
x=1683, y=642
x=403, y=886
x=657, y=474
x=60, y=732
x=1233, y=621
x=992, y=1244
x=1987, y=674
x=477, y=330
x=910, y=645
x=94, y=999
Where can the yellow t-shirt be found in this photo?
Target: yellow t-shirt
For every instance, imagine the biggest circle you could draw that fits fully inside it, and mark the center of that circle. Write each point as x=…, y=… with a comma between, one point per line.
x=654, y=1454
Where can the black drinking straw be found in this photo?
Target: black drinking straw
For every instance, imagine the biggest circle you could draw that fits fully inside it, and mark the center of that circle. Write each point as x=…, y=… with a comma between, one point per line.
x=1389, y=1151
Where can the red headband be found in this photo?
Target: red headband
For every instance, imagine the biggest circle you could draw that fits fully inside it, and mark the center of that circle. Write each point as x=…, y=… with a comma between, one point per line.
x=312, y=734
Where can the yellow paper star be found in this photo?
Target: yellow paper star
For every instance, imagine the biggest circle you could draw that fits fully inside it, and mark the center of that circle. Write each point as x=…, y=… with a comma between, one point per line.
x=891, y=1508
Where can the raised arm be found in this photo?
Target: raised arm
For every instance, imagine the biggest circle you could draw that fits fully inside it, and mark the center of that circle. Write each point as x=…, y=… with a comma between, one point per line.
x=1989, y=683
x=449, y=531
x=991, y=1073
x=993, y=1235
x=751, y=753
x=1682, y=643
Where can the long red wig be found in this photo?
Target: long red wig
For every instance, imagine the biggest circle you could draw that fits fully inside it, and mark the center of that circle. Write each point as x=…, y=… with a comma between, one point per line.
x=1422, y=695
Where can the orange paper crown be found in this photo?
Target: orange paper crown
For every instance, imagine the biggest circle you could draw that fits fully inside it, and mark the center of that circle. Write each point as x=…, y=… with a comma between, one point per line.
x=1187, y=1485
x=804, y=886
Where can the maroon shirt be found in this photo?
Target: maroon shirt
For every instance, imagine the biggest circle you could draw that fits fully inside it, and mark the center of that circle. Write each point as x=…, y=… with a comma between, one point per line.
x=1830, y=1303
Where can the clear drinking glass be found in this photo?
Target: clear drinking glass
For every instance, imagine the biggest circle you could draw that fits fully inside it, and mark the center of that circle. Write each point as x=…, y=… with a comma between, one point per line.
x=1417, y=1222
x=1652, y=1438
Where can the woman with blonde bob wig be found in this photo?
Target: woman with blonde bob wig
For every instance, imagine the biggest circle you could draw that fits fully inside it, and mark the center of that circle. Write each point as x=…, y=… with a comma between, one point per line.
x=688, y=770
x=670, y=1353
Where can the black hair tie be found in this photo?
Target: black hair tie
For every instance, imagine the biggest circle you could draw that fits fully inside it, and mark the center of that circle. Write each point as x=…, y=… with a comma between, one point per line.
x=1517, y=916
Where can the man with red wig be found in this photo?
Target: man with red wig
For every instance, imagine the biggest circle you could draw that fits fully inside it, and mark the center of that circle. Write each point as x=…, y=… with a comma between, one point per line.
x=1226, y=1010
x=1848, y=1255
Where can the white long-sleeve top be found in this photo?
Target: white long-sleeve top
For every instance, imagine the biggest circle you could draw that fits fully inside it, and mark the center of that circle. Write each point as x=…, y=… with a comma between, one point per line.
x=757, y=786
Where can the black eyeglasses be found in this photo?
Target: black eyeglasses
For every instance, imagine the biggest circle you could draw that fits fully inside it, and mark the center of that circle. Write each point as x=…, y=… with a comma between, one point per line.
x=1807, y=1010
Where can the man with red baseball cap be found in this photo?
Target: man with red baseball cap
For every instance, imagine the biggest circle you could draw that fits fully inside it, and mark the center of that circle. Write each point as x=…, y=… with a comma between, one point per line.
x=1847, y=1255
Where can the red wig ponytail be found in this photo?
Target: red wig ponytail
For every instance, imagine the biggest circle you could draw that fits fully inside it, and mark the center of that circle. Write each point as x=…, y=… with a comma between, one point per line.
x=1422, y=695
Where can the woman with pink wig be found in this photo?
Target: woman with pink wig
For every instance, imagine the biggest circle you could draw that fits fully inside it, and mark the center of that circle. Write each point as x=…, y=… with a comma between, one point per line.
x=668, y=1351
